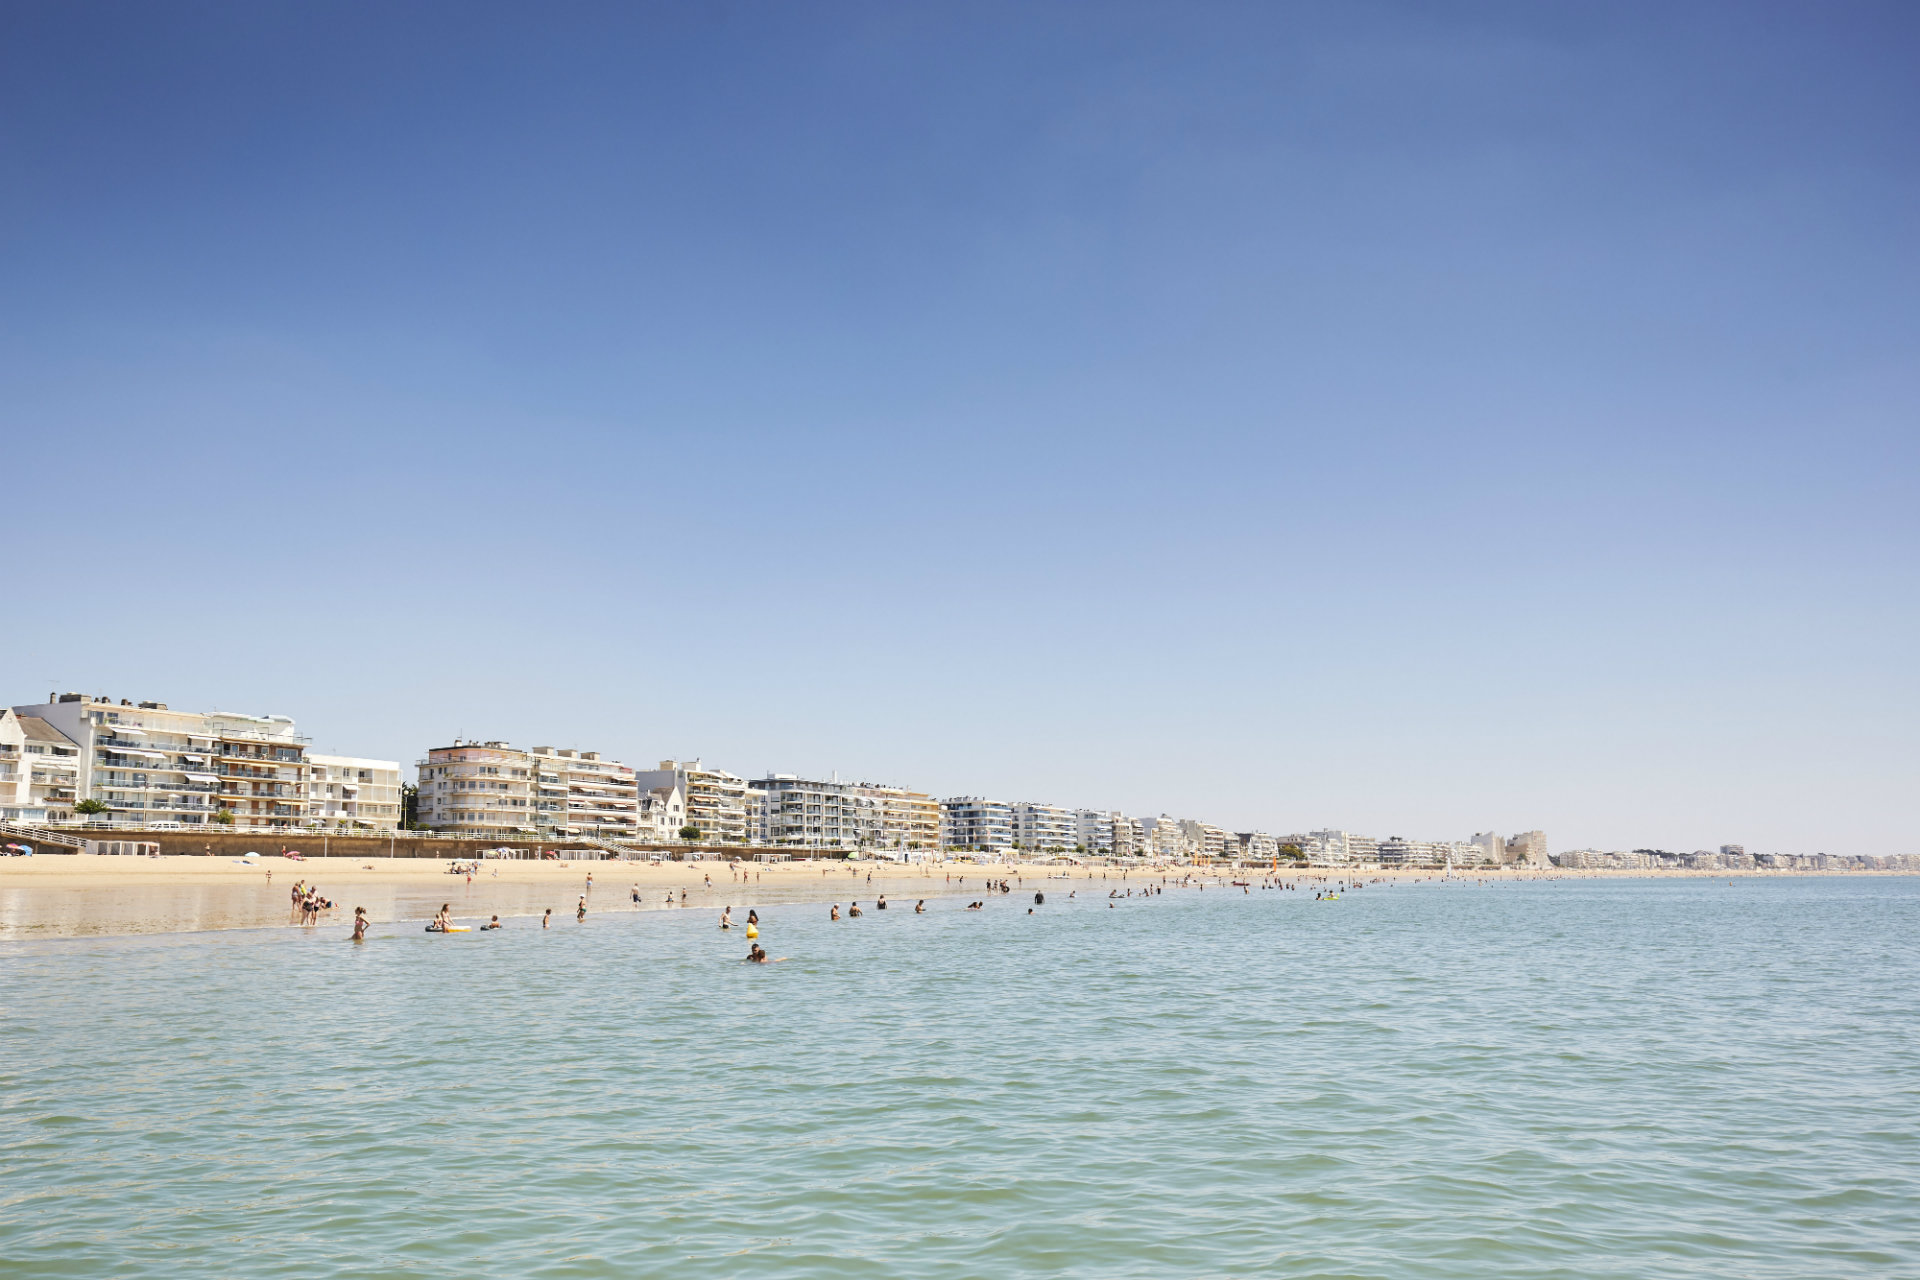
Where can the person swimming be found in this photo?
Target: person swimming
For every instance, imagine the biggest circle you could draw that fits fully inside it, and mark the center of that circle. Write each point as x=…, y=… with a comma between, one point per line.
x=882, y=904
x=920, y=907
x=726, y=917
x=854, y=910
x=546, y=921
x=753, y=917
x=491, y=924
x=359, y=924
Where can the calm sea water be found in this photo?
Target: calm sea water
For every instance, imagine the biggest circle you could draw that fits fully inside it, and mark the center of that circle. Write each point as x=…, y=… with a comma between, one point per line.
x=1577, y=1079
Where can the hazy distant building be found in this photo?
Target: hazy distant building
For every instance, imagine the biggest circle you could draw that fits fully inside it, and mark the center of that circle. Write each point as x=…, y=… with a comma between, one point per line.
x=1257, y=845
x=1529, y=848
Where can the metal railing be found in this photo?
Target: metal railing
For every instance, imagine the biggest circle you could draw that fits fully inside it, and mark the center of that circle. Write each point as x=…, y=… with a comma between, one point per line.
x=23, y=831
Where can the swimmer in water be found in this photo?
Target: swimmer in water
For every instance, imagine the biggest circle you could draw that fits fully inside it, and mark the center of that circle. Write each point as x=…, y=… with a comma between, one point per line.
x=546, y=921
x=836, y=912
x=920, y=907
x=753, y=917
x=359, y=924
x=726, y=917
x=580, y=916
x=882, y=904
x=853, y=910
x=491, y=924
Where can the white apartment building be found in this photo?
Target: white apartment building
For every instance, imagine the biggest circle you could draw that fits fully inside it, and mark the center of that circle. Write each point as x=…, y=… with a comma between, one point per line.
x=1164, y=838
x=1258, y=845
x=1396, y=851
x=1332, y=848
x=350, y=792
x=491, y=790
x=487, y=790
x=909, y=820
x=152, y=766
x=1129, y=837
x=1206, y=840
x=1094, y=831
x=39, y=770
x=1042, y=828
x=603, y=797
x=716, y=800
x=1493, y=849
x=795, y=811
x=974, y=824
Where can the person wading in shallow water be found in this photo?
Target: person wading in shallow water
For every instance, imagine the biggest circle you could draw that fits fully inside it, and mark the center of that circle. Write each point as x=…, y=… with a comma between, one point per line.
x=580, y=916
x=359, y=924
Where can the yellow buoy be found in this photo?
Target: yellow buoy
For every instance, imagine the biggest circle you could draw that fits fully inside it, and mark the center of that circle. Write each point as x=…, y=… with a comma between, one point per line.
x=752, y=932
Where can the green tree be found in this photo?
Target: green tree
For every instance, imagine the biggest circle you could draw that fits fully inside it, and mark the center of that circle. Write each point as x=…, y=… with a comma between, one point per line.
x=224, y=817
x=91, y=807
x=1293, y=851
x=689, y=832
x=409, y=807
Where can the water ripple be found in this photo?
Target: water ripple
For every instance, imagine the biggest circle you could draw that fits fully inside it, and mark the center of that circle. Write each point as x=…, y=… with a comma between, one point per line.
x=1594, y=1079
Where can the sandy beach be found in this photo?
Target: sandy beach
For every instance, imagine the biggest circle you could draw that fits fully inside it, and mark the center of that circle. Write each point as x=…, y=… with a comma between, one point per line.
x=81, y=895
x=87, y=895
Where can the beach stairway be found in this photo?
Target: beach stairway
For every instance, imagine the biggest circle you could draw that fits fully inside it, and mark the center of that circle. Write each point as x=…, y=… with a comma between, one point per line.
x=41, y=835
x=614, y=847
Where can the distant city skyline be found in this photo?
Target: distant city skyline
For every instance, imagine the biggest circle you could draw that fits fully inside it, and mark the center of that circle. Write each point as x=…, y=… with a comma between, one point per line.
x=1348, y=415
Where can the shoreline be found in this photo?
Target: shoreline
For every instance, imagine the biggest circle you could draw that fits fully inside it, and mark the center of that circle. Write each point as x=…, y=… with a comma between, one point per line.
x=74, y=896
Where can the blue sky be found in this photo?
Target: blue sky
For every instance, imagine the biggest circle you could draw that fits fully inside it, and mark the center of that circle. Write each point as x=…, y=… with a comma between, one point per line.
x=1400, y=417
